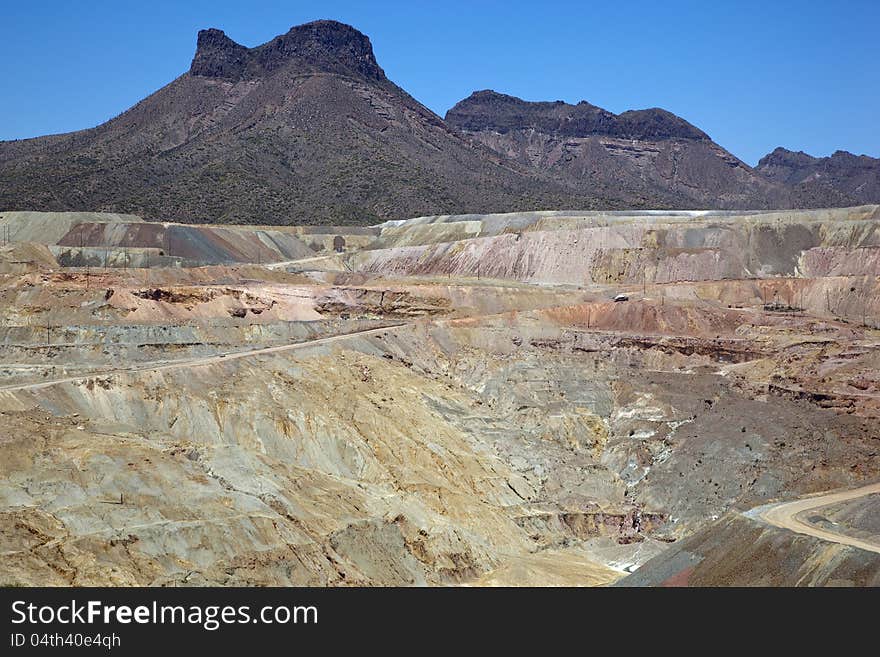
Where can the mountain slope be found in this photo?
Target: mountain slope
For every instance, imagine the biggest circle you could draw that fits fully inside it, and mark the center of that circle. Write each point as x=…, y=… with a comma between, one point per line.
x=842, y=179
x=303, y=129
x=307, y=129
x=650, y=156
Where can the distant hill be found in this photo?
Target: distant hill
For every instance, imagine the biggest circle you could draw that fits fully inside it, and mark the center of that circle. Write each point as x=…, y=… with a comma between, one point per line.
x=638, y=157
x=303, y=129
x=842, y=179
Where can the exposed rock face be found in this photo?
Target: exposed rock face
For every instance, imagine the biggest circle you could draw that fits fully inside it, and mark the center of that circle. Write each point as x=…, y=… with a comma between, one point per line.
x=578, y=249
x=740, y=551
x=304, y=129
x=859, y=517
x=489, y=110
x=651, y=155
x=782, y=164
x=322, y=45
x=218, y=56
x=842, y=179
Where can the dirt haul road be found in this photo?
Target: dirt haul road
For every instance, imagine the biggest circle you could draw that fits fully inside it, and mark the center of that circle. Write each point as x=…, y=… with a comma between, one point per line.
x=204, y=360
x=791, y=515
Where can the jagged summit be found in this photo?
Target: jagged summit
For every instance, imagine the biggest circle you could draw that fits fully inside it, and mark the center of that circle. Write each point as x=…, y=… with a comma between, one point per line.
x=784, y=156
x=840, y=179
x=218, y=56
x=324, y=45
x=488, y=109
x=648, y=156
x=780, y=155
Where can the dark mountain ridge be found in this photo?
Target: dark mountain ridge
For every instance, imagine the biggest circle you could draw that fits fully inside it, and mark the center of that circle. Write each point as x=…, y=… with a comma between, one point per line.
x=648, y=156
x=322, y=45
x=490, y=110
x=305, y=128
x=843, y=178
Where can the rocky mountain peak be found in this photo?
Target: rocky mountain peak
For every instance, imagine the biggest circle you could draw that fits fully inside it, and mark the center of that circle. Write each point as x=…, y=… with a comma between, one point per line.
x=324, y=45
x=783, y=157
x=657, y=123
x=218, y=56
x=490, y=110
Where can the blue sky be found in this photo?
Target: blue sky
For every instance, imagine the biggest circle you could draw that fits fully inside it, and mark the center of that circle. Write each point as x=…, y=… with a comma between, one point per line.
x=754, y=75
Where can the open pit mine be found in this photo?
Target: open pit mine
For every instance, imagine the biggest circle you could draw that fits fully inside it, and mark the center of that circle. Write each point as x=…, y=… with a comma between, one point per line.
x=543, y=398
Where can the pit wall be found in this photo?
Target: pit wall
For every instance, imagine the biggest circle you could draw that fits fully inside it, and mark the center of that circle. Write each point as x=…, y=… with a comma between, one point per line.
x=851, y=299
x=89, y=236
x=206, y=333
x=196, y=245
x=740, y=551
x=632, y=251
x=112, y=257
x=51, y=227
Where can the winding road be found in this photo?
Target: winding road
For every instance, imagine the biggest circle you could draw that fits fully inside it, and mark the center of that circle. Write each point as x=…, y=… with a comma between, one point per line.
x=791, y=515
x=200, y=361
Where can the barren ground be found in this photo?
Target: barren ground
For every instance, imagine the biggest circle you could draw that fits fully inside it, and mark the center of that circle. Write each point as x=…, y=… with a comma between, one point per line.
x=447, y=400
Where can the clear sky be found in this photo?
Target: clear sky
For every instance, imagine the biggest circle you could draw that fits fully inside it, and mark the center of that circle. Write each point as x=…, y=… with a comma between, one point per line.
x=754, y=75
